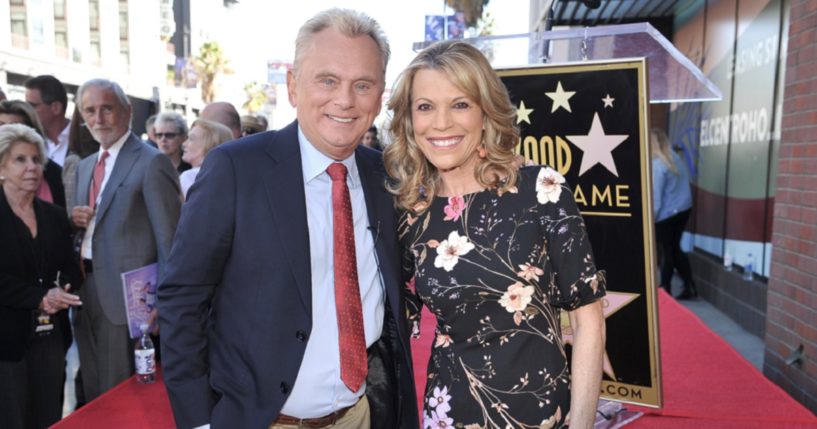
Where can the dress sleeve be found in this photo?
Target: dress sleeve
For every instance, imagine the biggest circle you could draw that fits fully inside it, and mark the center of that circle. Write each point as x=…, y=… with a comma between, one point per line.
x=413, y=304
x=575, y=281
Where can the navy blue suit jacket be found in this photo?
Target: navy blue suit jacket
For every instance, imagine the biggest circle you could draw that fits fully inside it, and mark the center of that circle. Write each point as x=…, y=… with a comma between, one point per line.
x=235, y=303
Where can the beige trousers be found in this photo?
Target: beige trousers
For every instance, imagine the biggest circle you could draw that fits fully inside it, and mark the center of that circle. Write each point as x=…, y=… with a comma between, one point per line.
x=356, y=418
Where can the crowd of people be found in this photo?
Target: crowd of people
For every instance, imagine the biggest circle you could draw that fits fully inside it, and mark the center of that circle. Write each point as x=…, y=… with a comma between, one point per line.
x=84, y=200
x=293, y=263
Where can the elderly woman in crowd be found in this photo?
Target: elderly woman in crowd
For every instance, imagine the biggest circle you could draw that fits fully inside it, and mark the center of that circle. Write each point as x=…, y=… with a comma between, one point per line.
x=170, y=130
x=20, y=112
x=37, y=269
x=494, y=251
x=204, y=136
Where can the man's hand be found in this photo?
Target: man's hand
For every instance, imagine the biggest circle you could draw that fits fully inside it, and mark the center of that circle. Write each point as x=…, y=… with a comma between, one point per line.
x=81, y=216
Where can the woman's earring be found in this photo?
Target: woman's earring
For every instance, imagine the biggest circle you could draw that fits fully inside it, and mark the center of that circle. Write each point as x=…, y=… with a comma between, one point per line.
x=482, y=152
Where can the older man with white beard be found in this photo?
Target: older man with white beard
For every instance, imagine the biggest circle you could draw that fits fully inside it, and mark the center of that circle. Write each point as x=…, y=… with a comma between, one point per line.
x=127, y=201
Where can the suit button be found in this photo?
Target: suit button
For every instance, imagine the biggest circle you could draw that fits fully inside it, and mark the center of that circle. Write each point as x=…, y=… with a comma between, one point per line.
x=301, y=336
x=284, y=388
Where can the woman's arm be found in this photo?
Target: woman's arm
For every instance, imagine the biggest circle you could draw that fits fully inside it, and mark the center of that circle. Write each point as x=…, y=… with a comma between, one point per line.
x=587, y=323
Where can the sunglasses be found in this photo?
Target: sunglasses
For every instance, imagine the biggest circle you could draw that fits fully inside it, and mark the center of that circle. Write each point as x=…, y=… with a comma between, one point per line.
x=168, y=135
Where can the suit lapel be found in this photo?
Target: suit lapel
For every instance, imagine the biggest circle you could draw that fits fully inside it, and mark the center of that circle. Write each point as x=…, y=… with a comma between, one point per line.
x=83, y=184
x=124, y=163
x=378, y=205
x=284, y=185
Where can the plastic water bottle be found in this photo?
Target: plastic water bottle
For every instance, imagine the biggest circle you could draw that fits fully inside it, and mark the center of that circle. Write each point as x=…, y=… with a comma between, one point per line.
x=727, y=261
x=145, y=356
x=749, y=267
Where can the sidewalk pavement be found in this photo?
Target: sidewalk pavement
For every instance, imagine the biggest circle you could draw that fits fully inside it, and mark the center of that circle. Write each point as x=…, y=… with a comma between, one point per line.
x=750, y=346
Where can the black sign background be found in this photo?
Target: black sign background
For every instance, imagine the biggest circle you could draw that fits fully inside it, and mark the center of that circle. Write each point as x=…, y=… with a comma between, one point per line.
x=616, y=208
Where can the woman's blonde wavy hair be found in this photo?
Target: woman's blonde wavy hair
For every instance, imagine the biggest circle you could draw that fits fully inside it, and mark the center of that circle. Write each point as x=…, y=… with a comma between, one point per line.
x=414, y=180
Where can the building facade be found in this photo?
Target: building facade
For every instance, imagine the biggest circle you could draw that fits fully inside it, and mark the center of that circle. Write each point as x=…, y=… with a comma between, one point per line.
x=137, y=44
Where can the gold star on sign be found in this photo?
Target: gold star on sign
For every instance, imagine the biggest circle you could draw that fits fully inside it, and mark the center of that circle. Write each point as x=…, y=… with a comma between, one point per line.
x=560, y=97
x=523, y=114
x=608, y=101
x=611, y=303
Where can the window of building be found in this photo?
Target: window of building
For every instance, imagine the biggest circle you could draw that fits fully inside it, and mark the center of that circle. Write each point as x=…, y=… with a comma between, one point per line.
x=19, y=28
x=60, y=29
x=94, y=36
x=124, y=32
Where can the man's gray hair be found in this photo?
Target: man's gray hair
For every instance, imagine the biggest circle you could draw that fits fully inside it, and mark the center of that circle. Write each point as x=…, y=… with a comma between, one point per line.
x=104, y=84
x=350, y=23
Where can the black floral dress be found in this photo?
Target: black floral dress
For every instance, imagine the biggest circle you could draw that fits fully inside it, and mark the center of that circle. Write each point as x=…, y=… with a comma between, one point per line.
x=495, y=270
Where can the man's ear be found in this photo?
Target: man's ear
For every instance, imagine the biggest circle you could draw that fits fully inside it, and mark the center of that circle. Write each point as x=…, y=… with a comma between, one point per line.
x=56, y=108
x=292, y=90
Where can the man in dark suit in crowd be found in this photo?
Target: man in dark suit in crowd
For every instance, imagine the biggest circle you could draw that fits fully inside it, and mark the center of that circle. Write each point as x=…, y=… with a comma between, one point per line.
x=281, y=305
x=48, y=97
x=127, y=201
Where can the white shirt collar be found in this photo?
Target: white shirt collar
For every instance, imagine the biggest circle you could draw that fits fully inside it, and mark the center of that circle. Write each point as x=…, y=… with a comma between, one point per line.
x=113, y=151
x=314, y=162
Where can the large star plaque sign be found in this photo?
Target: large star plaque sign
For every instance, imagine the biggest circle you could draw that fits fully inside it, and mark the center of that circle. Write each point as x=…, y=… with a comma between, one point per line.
x=589, y=121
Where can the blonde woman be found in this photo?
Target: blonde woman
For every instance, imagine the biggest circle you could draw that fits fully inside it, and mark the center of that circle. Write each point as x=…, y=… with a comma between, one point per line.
x=204, y=135
x=494, y=251
x=672, y=204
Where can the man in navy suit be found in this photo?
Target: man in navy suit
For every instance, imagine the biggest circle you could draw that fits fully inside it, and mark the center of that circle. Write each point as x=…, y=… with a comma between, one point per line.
x=247, y=308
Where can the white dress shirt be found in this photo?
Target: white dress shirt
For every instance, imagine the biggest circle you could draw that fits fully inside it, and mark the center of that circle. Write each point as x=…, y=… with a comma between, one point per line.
x=318, y=390
x=113, y=153
x=187, y=178
x=57, y=151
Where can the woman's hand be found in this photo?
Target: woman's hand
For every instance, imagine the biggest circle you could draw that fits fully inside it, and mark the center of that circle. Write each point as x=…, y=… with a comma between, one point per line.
x=57, y=299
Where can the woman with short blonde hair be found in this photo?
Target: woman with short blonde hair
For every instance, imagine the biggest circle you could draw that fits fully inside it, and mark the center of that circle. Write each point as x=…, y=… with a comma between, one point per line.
x=204, y=135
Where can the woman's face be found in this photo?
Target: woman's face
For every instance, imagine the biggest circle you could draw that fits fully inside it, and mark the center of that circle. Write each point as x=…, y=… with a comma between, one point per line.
x=194, y=147
x=447, y=123
x=22, y=169
x=169, y=138
x=11, y=118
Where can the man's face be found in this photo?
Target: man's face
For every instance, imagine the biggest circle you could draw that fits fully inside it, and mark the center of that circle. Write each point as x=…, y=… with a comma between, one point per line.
x=106, y=118
x=47, y=112
x=337, y=91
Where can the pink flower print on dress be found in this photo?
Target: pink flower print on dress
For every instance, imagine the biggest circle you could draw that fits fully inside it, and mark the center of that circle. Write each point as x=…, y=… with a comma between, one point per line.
x=454, y=209
x=439, y=400
x=530, y=272
x=516, y=298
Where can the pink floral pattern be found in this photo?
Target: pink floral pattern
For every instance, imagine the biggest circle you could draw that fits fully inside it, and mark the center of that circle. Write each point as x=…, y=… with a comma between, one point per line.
x=486, y=268
x=454, y=209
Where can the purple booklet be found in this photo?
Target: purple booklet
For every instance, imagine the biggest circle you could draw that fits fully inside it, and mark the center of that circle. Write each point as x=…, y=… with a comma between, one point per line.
x=139, y=287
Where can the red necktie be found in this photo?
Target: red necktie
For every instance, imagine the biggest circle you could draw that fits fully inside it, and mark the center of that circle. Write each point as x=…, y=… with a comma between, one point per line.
x=99, y=176
x=351, y=337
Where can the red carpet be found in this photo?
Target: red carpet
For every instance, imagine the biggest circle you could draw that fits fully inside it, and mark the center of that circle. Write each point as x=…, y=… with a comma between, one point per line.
x=707, y=385
x=129, y=405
